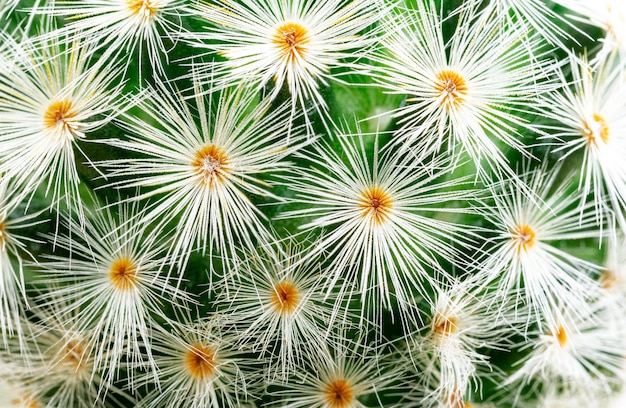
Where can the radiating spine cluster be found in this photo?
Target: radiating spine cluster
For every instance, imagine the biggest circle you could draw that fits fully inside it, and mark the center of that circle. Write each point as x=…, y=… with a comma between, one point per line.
x=300, y=203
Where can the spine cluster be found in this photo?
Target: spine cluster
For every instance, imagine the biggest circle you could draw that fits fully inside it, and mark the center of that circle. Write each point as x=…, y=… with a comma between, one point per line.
x=312, y=204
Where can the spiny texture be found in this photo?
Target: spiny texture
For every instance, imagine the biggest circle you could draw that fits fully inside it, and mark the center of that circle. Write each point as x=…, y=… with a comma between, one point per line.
x=302, y=203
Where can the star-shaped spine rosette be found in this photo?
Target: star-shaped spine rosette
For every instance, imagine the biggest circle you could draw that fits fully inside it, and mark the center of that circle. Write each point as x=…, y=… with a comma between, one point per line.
x=381, y=238
x=588, y=116
x=351, y=372
x=329, y=203
x=199, y=367
x=582, y=358
x=523, y=259
x=57, y=362
x=472, y=94
x=300, y=45
x=112, y=286
x=450, y=354
x=279, y=310
x=202, y=163
x=50, y=100
x=117, y=27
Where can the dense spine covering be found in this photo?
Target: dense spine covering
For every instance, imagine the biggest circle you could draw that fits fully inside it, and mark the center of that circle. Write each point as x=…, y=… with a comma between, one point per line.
x=300, y=203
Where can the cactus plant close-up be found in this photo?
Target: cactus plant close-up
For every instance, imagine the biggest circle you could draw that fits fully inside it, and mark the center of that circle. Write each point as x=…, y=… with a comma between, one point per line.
x=312, y=204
